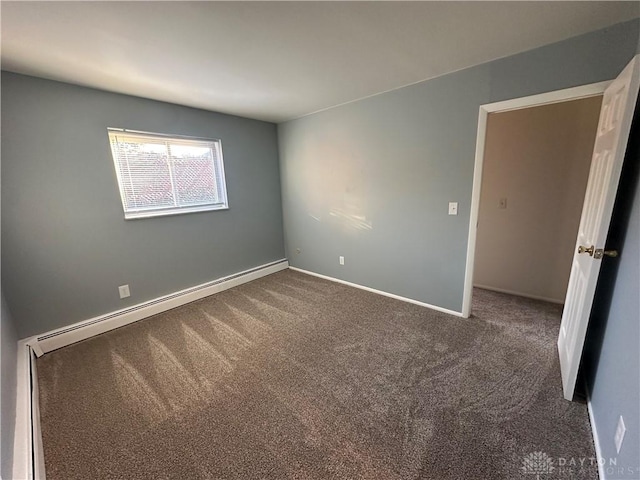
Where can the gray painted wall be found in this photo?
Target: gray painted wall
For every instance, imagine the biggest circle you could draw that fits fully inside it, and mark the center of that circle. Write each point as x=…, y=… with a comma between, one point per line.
x=8, y=390
x=371, y=180
x=65, y=244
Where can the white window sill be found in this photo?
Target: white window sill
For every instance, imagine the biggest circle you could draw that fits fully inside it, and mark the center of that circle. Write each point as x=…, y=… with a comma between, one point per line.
x=172, y=211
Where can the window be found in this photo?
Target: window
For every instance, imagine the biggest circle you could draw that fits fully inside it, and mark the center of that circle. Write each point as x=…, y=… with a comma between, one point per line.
x=166, y=175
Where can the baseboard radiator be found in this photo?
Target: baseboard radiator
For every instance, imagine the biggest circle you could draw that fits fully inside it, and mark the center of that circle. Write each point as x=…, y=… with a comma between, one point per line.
x=64, y=336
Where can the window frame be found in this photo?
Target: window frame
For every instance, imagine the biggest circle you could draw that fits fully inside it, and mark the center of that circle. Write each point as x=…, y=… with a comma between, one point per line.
x=216, y=143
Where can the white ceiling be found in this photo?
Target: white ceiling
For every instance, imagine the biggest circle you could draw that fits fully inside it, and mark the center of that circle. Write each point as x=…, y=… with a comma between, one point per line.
x=278, y=60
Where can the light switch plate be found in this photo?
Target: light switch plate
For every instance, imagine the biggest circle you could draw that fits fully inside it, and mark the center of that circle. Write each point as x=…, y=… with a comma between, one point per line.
x=453, y=208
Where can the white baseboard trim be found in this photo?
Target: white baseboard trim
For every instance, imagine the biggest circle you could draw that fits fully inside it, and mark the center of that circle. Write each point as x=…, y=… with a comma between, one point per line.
x=519, y=294
x=38, y=448
x=379, y=292
x=596, y=440
x=22, y=443
x=28, y=454
x=64, y=336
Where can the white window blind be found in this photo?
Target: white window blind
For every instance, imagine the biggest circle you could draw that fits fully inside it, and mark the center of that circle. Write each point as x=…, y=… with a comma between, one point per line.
x=164, y=175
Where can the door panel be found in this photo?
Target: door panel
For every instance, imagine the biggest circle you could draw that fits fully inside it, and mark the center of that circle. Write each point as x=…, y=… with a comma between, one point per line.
x=611, y=140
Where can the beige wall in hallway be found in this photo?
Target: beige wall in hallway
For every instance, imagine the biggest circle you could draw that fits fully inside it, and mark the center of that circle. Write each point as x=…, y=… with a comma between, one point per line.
x=538, y=160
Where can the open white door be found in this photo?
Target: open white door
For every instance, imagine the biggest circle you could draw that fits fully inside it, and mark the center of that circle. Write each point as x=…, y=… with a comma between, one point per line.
x=608, y=154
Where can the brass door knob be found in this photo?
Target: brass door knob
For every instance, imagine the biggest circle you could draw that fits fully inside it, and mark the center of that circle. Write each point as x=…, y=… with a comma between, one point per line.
x=589, y=250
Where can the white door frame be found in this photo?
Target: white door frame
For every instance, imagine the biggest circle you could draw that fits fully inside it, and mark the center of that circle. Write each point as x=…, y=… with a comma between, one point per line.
x=557, y=96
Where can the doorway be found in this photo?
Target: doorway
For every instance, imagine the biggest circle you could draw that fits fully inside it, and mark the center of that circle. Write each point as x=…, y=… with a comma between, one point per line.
x=519, y=211
x=535, y=173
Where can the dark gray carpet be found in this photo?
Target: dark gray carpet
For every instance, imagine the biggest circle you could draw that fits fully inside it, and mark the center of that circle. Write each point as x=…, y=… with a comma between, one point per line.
x=296, y=377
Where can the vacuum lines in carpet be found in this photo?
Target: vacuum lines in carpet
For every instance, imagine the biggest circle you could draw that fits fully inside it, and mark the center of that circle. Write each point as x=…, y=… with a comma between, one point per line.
x=295, y=377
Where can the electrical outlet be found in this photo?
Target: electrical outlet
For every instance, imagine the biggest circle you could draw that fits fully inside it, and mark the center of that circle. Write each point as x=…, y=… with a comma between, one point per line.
x=502, y=203
x=341, y=259
x=453, y=208
x=124, y=291
x=619, y=437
